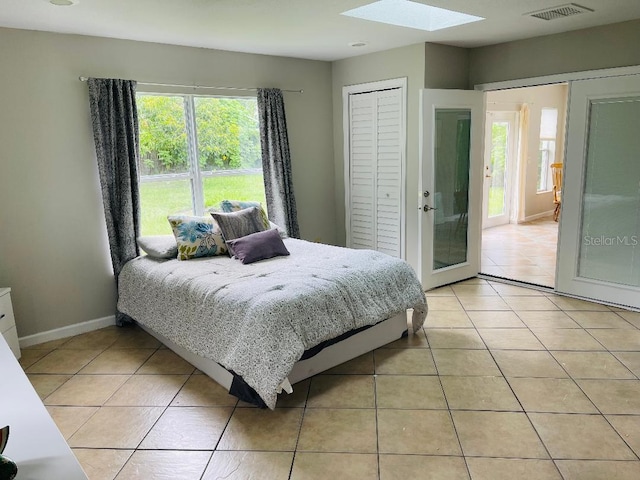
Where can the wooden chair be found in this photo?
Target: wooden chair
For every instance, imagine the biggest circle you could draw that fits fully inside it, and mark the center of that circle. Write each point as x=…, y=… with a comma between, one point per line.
x=556, y=173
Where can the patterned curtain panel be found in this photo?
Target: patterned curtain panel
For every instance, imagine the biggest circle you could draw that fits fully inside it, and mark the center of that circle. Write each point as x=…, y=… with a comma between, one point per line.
x=115, y=132
x=276, y=160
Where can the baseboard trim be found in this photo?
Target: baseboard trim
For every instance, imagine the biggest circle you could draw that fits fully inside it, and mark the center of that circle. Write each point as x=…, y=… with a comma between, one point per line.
x=530, y=218
x=68, y=331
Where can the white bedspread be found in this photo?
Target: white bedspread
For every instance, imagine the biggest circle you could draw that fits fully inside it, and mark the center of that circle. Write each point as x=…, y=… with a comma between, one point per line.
x=258, y=319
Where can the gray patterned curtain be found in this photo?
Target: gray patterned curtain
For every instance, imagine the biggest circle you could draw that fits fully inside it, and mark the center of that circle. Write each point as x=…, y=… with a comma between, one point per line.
x=276, y=161
x=115, y=132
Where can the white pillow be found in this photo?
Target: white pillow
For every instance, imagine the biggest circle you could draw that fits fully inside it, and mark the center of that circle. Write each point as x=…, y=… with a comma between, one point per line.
x=281, y=231
x=159, y=246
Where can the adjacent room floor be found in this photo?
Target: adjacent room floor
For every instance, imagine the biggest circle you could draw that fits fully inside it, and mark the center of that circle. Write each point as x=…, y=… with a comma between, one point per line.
x=503, y=382
x=525, y=252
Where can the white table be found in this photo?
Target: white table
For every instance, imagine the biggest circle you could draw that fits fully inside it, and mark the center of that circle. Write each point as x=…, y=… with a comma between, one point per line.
x=7, y=321
x=35, y=443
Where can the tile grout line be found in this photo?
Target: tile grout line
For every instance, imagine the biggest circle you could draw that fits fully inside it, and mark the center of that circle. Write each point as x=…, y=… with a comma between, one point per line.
x=135, y=449
x=215, y=448
x=515, y=396
x=599, y=412
x=304, y=411
x=446, y=400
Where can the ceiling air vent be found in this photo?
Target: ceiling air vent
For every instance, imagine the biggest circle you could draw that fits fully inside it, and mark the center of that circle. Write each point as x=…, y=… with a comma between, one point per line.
x=560, y=11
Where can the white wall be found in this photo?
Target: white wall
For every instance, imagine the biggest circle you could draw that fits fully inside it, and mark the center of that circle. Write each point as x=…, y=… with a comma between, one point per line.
x=608, y=46
x=548, y=96
x=53, y=247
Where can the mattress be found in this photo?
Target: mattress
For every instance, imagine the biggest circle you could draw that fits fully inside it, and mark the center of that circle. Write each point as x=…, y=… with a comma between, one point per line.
x=257, y=320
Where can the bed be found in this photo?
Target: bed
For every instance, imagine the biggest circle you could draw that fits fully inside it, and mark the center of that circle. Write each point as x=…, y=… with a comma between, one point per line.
x=258, y=328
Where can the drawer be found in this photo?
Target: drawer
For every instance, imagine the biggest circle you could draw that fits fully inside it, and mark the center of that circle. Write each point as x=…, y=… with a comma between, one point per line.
x=11, y=336
x=6, y=313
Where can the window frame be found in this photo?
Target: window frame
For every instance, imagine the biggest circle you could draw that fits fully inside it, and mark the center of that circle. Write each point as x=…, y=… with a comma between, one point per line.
x=195, y=175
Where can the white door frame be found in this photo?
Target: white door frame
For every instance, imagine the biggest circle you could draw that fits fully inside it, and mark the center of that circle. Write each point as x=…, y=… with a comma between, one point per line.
x=400, y=83
x=571, y=242
x=558, y=78
x=430, y=101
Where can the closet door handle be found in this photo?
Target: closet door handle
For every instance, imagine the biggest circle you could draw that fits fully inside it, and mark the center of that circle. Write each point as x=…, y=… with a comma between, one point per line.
x=1, y=316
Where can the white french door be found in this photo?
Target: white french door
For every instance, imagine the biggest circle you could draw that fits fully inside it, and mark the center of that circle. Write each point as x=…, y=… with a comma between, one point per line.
x=599, y=249
x=451, y=138
x=500, y=150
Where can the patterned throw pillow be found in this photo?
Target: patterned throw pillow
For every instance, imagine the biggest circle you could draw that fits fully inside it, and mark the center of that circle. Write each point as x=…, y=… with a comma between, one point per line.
x=197, y=237
x=239, y=224
x=229, y=206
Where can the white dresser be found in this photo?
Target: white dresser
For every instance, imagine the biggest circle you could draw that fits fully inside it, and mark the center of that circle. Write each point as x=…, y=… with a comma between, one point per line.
x=35, y=443
x=8, y=321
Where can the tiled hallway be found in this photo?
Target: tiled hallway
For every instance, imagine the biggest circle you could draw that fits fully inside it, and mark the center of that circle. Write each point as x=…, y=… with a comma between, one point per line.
x=525, y=252
x=502, y=383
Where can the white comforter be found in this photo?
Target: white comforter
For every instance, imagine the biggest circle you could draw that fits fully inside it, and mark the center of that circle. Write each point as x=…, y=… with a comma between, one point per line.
x=258, y=319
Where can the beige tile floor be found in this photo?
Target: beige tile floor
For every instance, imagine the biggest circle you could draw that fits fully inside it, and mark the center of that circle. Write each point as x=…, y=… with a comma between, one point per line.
x=502, y=383
x=525, y=252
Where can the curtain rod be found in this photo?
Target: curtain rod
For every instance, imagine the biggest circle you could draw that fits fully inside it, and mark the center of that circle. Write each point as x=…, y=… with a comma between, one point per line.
x=150, y=84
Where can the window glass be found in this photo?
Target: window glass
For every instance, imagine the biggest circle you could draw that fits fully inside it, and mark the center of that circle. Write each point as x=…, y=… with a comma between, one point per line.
x=229, y=153
x=549, y=123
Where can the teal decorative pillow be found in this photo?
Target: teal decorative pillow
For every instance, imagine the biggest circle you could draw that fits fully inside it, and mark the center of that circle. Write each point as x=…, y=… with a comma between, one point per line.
x=229, y=206
x=197, y=237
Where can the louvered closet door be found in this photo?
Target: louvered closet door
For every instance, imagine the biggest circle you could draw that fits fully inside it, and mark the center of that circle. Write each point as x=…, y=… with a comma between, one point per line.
x=388, y=172
x=375, y=171
x=362, y=109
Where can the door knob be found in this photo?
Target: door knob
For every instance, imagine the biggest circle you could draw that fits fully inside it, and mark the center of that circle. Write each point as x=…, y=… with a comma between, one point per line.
x=426, y=208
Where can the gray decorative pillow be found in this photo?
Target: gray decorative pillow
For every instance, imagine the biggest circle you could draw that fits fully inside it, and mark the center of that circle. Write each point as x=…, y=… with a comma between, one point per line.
x=235, y=205
x=159, y=246
x=258, y=246
x=239, y=224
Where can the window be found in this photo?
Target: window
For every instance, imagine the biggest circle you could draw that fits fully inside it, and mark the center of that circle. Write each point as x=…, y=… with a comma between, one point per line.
x=194, y=152
x=547, y=153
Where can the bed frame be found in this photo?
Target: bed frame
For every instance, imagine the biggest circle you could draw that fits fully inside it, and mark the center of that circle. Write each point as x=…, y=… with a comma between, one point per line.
x=351, y=347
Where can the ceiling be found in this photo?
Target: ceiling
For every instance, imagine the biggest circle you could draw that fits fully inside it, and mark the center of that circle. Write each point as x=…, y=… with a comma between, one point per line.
x=312, y=29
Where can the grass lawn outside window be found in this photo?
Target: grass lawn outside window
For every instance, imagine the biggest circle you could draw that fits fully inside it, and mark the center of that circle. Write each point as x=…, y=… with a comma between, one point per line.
x=162, y=198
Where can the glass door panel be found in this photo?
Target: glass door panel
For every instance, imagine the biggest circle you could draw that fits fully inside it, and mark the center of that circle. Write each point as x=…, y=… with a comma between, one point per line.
x=453, y=129
x=496, y=170
x=611, y=198
x=501, y=138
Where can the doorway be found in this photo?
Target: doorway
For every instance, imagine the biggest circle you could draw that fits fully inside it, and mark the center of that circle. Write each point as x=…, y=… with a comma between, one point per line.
x=524, y=136
x=599, y=209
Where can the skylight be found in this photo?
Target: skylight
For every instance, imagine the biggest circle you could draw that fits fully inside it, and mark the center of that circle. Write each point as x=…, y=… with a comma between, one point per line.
x=405, y=13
